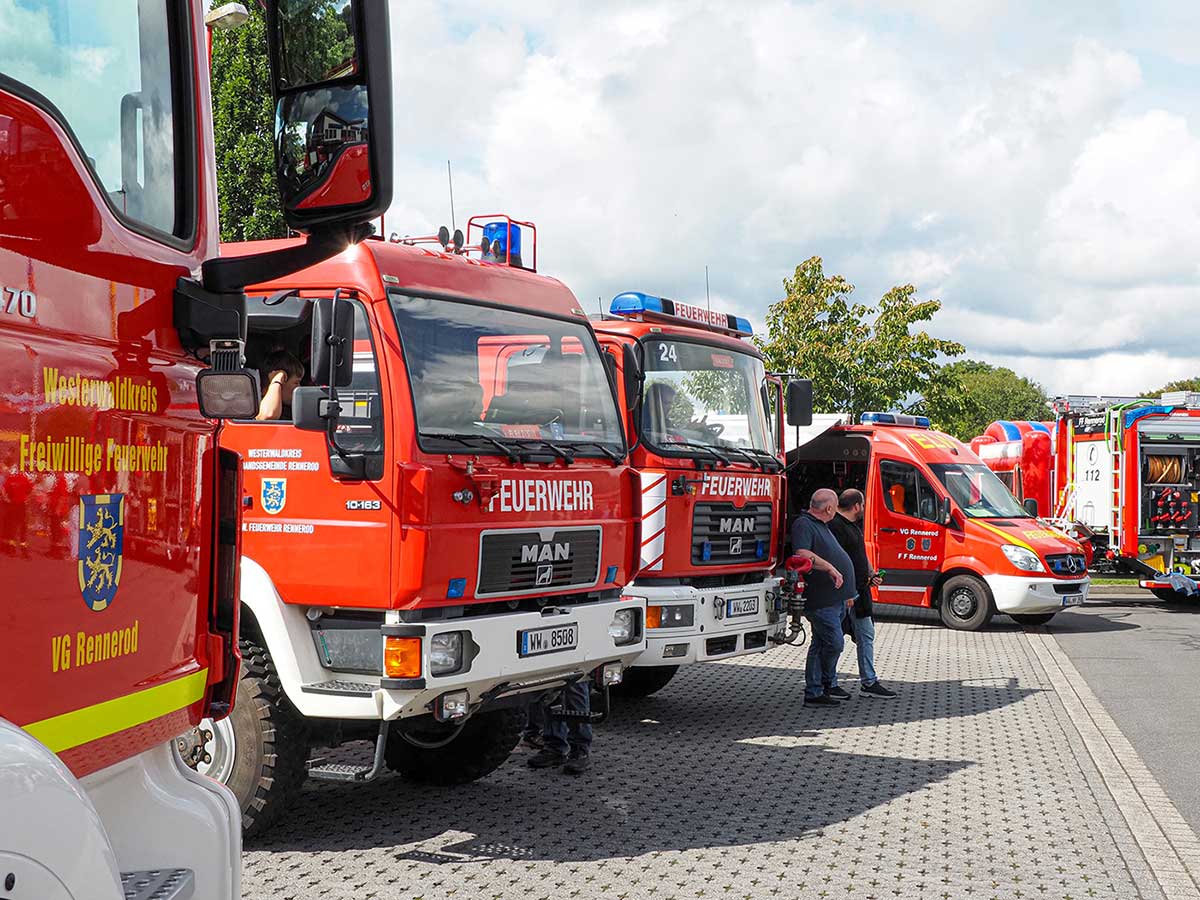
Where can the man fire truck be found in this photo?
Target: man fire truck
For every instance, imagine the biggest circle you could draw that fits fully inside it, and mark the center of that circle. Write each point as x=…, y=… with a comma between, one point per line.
x=442, y=535
x=1128, y=470
x=119, y=533
x=710, y=483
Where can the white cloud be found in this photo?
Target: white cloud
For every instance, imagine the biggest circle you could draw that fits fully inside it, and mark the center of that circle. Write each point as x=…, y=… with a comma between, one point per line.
x=648, y=140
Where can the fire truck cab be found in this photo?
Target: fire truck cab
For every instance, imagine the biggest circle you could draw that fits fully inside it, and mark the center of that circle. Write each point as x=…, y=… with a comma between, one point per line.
x=939, y=525
x=440, y=537
x=706, y=453
x=123, y=339
x=1128, y=470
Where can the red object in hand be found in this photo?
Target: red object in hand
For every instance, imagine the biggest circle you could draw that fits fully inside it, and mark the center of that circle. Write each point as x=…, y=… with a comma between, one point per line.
x=799, y=564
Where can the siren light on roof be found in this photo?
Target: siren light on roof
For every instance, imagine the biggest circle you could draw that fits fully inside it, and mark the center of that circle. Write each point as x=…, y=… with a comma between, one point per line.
x=885, y=418
x=636, y=305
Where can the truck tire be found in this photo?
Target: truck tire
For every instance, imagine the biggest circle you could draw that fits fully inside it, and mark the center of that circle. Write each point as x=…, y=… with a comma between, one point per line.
x=642, y=681
x=966, y=603
x=270, y=752
x=1031, y=618
x=444, y=755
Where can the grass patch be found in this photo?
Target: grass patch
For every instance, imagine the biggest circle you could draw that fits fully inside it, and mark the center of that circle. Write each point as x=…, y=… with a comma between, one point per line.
x=1128, y=582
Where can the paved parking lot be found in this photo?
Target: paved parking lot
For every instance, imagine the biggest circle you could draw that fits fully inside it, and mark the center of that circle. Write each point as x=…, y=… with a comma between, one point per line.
x=985, y=778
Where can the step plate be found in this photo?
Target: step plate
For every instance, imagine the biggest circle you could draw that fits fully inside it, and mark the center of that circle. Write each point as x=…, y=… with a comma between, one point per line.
x=338, y=772
x=349, y=688
x=158, y=884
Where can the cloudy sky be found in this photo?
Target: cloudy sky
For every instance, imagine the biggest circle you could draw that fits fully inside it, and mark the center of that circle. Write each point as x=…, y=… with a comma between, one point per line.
x=1034, y=165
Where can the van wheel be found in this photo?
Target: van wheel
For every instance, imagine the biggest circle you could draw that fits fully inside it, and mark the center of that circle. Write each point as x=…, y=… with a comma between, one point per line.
x=642, y=681
x=260, y=750
x=455, y=754
x=1031, y=618
x=966, y=603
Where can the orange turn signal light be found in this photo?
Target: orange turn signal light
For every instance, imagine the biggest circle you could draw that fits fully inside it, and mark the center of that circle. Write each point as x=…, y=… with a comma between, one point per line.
x=653, y=616
x=402, y=657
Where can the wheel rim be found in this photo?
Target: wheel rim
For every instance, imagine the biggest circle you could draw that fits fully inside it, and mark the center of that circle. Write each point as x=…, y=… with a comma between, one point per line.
x=963, y=603
x=210, y=748
x=432, y=740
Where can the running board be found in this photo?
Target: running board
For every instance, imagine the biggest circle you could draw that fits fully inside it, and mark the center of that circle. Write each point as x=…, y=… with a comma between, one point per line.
x=343, y=688
x=345, y=772
x=159, y=884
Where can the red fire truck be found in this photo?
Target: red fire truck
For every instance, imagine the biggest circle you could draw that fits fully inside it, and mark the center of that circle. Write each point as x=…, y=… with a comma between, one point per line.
x=448, y=541
x=118, y=511
x=710, y=483
x=1127, y=471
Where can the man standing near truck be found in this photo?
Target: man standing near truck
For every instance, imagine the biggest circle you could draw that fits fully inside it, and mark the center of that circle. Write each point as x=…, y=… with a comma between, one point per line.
x=829, y=588
x=849, y=534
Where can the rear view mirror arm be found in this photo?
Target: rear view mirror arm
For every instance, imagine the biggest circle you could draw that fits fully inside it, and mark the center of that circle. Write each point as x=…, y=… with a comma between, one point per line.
x=231, y=274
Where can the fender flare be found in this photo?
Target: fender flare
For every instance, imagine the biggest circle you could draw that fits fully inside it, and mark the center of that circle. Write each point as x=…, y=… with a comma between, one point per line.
x=956, y=565
x=51, y=831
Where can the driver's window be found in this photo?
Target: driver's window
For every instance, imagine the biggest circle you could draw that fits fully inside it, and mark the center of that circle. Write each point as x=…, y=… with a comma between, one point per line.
x=906, y=492
x=360, y=425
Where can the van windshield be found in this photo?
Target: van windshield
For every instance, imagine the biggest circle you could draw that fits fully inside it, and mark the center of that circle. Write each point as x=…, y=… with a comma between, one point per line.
x=978, y=491
x=484, y=376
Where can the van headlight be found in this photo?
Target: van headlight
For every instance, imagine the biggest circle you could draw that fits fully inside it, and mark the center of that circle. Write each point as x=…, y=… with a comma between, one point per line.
x=626, y=627
x=445, y=653
x=1023, y=559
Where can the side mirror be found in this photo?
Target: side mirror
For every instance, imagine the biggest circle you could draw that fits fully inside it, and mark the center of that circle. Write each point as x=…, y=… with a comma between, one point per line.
x=310, y=409
x=945, y=511
x=332, y=339
x=1031, y=506
x=633, y=378
x=332, y=83
x=799, y=402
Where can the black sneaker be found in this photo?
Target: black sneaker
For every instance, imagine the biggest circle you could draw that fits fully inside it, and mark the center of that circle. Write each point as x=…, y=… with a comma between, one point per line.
x=546, y=759
x=837, y=693
x=877, y=690
x=823, y=700
x=577, y=763
x=533, y=741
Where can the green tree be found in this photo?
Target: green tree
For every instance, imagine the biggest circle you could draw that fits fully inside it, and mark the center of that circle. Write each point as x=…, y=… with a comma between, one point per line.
x=859, y=357
x=243, y=126
x=1184, y=384
x=968, y=395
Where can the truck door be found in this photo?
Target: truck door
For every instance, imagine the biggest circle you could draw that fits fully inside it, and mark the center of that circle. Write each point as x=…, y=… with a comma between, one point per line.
x=910, y=544
x=321, y=533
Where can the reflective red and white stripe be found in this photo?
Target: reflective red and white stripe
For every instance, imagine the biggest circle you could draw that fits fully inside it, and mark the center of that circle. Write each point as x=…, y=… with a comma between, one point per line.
x=653, y=518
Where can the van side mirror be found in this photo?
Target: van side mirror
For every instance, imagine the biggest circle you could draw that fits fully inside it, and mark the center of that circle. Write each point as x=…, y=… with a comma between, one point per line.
x=799, y=402
x=332, y=342
x=332, y=81
x=1031, y=506
x=945, y=511
x=633, y=378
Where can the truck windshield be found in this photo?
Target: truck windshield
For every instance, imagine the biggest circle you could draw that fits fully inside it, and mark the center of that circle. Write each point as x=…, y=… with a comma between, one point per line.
x=978, y=491
x=489, y=376
x=701, y=394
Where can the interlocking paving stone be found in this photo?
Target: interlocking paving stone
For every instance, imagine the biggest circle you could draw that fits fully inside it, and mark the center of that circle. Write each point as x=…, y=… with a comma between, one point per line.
x=971, y=784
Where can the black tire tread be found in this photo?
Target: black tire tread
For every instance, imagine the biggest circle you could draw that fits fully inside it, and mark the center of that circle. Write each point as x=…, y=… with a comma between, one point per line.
x=642, y=681
x=484, y=744
x=284, y=737
x=977, y=622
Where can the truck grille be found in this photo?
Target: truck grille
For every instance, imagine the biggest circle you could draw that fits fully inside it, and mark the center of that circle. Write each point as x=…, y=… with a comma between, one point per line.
x=729, y=535
x=521, y=562
x=1067, y=564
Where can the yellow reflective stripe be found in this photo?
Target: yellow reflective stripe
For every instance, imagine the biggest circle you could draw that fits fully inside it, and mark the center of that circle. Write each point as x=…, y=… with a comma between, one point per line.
x=91, y=723
x=1009, y=537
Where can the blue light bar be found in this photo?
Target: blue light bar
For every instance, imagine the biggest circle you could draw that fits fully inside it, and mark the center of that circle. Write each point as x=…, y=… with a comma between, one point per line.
x=883, y=418
x=636, y=305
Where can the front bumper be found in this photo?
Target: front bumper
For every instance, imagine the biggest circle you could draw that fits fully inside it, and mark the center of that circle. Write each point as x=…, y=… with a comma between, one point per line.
x=713, y=634
x=494, y=672
x=1022, y=594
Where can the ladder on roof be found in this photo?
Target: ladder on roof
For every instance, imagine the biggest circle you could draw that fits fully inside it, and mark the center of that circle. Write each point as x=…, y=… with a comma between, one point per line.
x=1114, y=435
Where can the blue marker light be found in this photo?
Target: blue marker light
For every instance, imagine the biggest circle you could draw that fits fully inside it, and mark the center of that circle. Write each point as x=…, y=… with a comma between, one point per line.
x=633, y=303
x=760, y=549
x=494, y=231
x=611, y=575
x=706, y=551
x=457, y=587
x=636, y=304
x=882, y=418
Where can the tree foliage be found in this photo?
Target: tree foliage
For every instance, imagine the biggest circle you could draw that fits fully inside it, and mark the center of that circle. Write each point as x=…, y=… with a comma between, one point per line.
x=243, y=126
x=968, y=395
x=1183, y=384
x=859, y=357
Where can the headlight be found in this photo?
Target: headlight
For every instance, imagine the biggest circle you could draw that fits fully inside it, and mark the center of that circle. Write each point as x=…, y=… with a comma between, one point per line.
x=1025, y=560
x=625, y=627
x=677, y=616
x=445, y=653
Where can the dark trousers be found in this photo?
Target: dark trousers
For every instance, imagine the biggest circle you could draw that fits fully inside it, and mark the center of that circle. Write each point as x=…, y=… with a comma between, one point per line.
x=570, y=735
x=820, y=670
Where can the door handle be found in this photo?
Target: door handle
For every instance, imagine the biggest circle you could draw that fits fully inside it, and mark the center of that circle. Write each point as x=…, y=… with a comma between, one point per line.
x=889, y=530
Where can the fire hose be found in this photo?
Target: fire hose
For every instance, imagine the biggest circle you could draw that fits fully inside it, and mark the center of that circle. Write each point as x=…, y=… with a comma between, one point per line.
x=791, y=594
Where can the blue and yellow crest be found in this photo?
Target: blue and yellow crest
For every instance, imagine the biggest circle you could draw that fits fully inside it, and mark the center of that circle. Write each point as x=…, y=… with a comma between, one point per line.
x=274, y=495
x=101, y=542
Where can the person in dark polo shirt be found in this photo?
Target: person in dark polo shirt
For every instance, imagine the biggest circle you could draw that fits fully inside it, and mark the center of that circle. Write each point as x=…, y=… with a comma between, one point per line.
x=829, y=588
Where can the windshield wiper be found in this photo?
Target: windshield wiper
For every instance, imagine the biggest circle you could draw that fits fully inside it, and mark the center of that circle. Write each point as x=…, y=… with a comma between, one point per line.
x=713, y=450
x=513, y=453
x=754, y=461
x=603, y=448
x=771, y=459
x=565, y=455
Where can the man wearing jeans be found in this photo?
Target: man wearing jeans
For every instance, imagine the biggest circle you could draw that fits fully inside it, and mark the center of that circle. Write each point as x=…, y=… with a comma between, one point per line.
x=828, y=588
x=567, y=742
x=846, y=530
